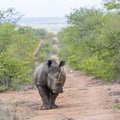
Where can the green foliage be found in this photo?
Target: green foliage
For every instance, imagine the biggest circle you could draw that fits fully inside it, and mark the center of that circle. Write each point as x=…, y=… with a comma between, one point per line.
x=17, y=45
x=99, y=68
x=16, y=55
x=91, y=43
x=13, y=70
x=6, y=32
x=112, y=4
x=117, y=106
x=41, y=33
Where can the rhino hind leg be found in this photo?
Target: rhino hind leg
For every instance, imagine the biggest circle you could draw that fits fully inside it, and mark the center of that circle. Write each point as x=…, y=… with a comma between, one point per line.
x=45, y=98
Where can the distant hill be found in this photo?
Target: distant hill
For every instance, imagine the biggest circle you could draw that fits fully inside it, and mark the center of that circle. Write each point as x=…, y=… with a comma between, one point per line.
x=43, y=20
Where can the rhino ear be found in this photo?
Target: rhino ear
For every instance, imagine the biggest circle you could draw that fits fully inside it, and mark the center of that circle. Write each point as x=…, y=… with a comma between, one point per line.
x=49, y=62
x=62, y=63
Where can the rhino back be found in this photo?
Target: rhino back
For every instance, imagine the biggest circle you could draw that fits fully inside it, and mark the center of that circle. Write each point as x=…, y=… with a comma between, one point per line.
x=40, y=74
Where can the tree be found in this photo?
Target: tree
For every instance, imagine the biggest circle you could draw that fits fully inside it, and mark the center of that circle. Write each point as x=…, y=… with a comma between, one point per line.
x=16, y=56
x=91, y=42
x=111, y=4
x=9, y=16
x=82, y=34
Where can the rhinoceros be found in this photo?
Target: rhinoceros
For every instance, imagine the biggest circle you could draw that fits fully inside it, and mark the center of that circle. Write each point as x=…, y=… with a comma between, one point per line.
x=49, y=78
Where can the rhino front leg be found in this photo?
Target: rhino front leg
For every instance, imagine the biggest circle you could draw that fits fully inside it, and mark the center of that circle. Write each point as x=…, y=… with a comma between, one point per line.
x=52, y=100
x=44, y=96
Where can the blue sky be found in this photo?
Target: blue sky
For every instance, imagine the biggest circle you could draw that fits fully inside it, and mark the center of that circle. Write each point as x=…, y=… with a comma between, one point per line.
x=47, y=8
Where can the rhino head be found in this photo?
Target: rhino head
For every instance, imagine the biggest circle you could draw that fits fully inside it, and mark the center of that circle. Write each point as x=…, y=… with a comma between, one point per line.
x=56, y=77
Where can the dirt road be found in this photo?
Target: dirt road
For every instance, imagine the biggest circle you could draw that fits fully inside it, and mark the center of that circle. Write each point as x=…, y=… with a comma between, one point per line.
x=84, y=98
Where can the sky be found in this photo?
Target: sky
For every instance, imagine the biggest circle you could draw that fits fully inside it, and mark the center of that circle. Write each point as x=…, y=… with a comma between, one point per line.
x=47, y=8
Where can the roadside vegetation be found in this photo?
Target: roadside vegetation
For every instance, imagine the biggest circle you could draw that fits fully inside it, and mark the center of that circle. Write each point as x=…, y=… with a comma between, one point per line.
x=17, y=45
x=92, y=41
x=117, y=106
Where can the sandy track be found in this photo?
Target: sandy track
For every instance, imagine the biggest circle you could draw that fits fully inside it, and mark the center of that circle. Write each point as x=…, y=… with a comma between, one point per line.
x=83, y=99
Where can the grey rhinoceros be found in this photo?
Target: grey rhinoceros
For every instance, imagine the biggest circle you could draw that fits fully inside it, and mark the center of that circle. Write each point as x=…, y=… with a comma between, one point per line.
x=49, y=78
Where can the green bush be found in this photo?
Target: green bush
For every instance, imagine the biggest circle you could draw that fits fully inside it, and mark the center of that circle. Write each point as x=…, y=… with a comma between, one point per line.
x=117, y=106
x=91, y=42
x=16, y=55
x=99, y=68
